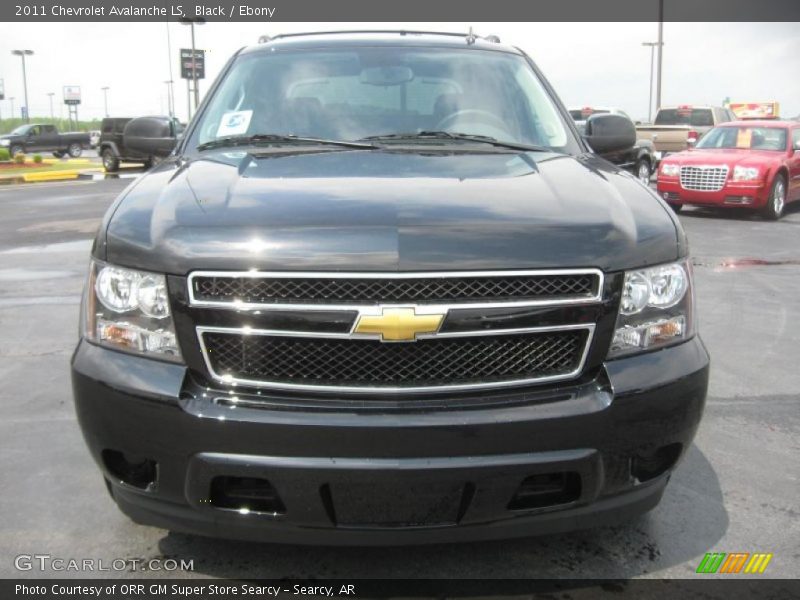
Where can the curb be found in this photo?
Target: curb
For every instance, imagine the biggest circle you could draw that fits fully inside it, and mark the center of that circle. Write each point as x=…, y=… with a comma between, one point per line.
x=66, y=175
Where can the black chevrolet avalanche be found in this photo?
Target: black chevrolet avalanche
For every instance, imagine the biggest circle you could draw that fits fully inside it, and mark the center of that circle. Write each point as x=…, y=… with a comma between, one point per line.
x=383, y=292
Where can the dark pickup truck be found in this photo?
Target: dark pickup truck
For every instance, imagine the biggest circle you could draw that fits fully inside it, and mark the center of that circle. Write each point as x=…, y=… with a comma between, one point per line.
x=383, y=292
x=44, y=138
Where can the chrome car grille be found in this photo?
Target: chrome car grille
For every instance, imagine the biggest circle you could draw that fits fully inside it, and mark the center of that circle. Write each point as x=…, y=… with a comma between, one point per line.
x=250, y=288
x=708, y=178
x=317, y=345
x=427, y=363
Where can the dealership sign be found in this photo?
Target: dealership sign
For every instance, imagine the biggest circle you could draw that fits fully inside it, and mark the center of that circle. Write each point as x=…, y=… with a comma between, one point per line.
x=72, y=94
x=187, y=64
x=755, y=110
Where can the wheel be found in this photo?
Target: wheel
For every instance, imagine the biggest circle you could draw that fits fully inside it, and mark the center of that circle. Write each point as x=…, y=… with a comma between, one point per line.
x=676, y=207
x=777, y=199
x=110, y=162
x=642, y=171
x=75, y=150
x=16, y=149
x=58, y=154
x=148, y=164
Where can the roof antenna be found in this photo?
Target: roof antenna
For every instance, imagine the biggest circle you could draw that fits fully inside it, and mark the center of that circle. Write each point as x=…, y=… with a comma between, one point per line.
x=471, y=37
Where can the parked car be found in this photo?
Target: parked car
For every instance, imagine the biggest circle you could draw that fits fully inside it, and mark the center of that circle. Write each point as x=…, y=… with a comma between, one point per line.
x=114, y=148
x=639, y=159
x=44, y=138
x=382, y=292
x=755, y=164
x=677, y=128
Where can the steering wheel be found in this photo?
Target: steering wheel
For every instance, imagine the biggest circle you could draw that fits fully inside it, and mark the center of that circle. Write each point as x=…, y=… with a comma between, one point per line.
x=475, y=114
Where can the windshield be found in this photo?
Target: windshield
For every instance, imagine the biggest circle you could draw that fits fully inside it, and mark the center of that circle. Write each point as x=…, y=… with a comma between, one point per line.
x=21, y=130
x=698, y=117
x=362, y=92
x=755, y=138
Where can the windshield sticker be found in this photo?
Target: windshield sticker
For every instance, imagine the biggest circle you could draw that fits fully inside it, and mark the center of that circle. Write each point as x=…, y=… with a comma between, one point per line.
x=234, y=123
x=743, y=138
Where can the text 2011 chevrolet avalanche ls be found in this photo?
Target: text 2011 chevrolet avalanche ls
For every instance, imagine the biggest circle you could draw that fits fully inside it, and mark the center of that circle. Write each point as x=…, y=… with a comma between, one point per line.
x=383, y=292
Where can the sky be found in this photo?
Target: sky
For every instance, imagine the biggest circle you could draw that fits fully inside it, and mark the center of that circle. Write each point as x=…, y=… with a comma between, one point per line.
x=597, y=64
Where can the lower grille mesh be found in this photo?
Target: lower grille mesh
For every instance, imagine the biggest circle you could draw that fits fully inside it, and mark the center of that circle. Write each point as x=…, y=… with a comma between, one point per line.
x=371, y=363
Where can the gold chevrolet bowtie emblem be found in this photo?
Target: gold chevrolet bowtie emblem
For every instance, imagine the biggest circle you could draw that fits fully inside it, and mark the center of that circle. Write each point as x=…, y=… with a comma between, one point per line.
x=398, y=324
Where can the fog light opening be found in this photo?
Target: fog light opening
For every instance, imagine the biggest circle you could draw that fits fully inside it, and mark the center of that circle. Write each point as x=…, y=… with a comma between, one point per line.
x=647, y=466
x=546, y=489
x=246, y=495
x=136, y=471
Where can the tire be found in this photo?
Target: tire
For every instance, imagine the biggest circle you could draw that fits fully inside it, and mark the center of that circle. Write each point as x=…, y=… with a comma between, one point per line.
x=75, y=150
x=58, y=154
x=110, y=162
x=776, y=202
x=642, y=171
x=16, y=149
x=148, y=164
x=676, y=208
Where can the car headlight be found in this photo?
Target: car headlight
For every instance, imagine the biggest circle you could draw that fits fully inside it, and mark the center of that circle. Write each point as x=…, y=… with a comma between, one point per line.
x=656, y=309
x=670, y=169
x=5, y=143
x=129, y=310
x=745, y=173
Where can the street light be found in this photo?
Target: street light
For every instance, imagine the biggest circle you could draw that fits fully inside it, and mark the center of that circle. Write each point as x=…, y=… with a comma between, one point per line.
x=105, y=98
x=23, y=54
x=51, y=94
x=191, y=22
x=650, y=99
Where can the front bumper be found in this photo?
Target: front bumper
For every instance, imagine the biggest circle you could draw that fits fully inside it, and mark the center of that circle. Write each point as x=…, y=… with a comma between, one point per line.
x=749, y=195
x=391, y=476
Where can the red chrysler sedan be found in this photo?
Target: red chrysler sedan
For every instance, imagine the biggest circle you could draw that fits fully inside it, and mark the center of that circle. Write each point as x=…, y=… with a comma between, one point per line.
x=743, y=163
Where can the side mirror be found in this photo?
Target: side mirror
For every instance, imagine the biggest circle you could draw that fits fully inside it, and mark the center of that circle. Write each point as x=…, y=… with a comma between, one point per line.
x=609, y=133
x=150, y=135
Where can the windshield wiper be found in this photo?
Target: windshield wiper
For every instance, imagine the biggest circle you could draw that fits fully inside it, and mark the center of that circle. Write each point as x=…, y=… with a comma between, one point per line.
x=271, y=138
x=449, y=135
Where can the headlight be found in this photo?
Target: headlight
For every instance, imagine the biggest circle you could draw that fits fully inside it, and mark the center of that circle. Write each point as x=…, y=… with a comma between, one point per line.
x=129, y=310
x=656, y=309
x=745, y=173
x=670, y=169
x=5, y=143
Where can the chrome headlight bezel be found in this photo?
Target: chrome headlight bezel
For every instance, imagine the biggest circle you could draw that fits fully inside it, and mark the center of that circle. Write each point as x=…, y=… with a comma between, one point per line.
x=128, y=310
x=656, y=309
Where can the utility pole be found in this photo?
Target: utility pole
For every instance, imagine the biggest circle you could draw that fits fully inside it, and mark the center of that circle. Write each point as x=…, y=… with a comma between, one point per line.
x=105, y=98
x=22, y=54
x=191, y=23
x=52, y=116
x=170, y=104
x=652, y=46
x=660, y=51
x=171, y=82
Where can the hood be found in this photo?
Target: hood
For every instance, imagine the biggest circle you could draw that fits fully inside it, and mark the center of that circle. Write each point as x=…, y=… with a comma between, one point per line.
x=726, y=156
x=379, y=210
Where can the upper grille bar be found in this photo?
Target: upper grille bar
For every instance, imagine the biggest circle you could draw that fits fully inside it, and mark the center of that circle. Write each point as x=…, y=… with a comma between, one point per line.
x=282, y=290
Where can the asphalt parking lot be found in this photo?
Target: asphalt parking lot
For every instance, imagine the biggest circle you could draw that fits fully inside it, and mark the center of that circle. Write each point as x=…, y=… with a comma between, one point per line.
x=736, y=491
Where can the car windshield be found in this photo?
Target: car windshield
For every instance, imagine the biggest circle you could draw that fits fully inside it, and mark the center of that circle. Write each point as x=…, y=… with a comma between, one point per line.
x=21, y=130
x=697, y=117
x=745, y=138
x=357, y=93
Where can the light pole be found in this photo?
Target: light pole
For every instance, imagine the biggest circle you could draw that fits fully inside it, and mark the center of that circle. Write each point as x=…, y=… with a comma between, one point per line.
x=191, y=22
x=660, y=50
x=105, y=98
x=23, y=54
x=650, y=97
x=11, y=99
x=52, y=116
x=170, y=105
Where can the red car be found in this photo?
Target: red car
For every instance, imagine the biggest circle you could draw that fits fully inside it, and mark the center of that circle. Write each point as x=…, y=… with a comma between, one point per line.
x=742, y=163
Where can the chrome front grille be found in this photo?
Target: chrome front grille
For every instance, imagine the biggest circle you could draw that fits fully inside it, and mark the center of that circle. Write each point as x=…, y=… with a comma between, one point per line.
x=348, y=288
x=355, y=364
x=706, y=178
x=471, y=347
